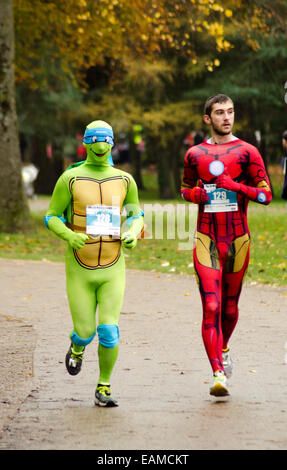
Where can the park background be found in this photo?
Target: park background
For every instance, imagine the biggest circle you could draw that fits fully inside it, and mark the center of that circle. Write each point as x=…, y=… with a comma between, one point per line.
x=146, y=67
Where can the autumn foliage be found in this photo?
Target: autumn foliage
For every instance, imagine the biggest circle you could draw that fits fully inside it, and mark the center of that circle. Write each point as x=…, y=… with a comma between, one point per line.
x=56, y=39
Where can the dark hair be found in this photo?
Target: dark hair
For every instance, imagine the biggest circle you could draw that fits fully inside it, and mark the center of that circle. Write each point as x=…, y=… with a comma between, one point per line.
x=284, y=135
x=220, y=98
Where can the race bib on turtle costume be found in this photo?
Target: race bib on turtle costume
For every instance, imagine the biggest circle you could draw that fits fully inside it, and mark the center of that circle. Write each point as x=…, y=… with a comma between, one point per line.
x=85, y=211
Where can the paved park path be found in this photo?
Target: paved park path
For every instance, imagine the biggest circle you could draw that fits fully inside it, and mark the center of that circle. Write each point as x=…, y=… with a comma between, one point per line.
x=162, y=376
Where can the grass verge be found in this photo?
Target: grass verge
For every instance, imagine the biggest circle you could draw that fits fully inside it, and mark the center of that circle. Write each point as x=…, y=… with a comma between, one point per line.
x=268, y=260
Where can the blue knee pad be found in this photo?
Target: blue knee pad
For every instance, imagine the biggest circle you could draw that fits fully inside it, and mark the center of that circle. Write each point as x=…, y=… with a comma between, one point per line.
x=108, y=335
x=80, y=341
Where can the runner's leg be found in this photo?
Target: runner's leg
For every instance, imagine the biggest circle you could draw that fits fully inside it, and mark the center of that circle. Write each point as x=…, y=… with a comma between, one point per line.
x=110, y=298
x=232, y=285
x=209, y=280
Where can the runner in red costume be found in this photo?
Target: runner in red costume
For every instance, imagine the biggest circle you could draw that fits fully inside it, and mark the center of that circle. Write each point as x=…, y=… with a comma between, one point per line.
x=221, y=175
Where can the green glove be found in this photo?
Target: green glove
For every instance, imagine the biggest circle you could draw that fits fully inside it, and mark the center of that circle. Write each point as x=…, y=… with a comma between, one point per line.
x=129, y=239
x=75, y=240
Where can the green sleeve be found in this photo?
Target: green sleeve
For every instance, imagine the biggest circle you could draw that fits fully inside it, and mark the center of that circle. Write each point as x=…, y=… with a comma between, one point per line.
x=132, y=206
x=59, y=203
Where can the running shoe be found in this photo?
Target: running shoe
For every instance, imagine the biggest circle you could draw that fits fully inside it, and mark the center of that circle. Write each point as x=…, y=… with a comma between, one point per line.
x=227, y=363
x=74, y=361
x=219, y=388
x=103, y=396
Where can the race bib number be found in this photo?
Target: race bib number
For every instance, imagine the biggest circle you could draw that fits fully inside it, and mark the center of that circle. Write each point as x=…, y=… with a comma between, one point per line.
x=103, y=220
x=220, y=200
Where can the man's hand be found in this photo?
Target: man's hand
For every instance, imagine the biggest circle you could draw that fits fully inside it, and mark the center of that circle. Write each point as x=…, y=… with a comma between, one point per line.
x=196, y=195
x=225, y=181
x=199, y=195
x=77, y=240
x=129, y=239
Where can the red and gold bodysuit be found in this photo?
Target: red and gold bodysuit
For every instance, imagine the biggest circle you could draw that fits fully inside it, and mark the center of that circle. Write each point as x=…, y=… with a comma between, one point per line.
x=221, y=248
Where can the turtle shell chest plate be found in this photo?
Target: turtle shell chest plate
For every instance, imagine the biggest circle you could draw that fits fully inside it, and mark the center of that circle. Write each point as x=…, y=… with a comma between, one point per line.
x=101, y=251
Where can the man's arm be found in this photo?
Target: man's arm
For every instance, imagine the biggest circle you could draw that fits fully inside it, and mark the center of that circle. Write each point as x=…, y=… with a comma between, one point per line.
x=54, y=220
x=191, y=187
x=260, y=190
x=134, y=219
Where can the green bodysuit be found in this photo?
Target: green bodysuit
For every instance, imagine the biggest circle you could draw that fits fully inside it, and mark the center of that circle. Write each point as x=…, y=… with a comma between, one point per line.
x=95, y=264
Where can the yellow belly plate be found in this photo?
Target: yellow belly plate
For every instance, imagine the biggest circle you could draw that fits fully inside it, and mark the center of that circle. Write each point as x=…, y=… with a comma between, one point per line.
x=101, y=251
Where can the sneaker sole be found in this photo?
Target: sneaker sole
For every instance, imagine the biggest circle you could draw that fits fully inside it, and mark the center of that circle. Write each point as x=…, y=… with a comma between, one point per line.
x=109, y=404
x=72, y=371
x=218, y=390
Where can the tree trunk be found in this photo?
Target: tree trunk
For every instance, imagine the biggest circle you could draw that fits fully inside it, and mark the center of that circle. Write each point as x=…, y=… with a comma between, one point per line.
x=165, y=176
x=14, y=212
x=264, y=153
x=177, y=158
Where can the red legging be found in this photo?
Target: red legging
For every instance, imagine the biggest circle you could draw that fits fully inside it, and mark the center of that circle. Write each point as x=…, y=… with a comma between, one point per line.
x=220, y=291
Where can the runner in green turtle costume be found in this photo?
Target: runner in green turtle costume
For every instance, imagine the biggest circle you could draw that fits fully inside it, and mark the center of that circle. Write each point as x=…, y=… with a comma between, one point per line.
x=95, y=265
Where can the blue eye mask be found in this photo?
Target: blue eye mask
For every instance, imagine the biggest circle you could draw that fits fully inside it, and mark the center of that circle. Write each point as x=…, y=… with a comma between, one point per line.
x=98, y=134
